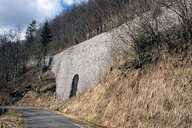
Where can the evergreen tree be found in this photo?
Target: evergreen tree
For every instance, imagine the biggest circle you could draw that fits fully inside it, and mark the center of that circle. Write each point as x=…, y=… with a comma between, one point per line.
x=46, y=37
x=31, y=33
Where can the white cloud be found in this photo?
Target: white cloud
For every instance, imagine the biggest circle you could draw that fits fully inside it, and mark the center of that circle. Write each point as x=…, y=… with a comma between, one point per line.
x=15, y=13
x=71, y=2
x=68, y=2
x=22, y=12
x=49, y=8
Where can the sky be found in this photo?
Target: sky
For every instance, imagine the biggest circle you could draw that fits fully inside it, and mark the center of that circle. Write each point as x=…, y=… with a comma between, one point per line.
x=17, y=14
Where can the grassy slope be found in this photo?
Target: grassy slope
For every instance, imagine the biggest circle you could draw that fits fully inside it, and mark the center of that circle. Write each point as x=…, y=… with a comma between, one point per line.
x=160, y=95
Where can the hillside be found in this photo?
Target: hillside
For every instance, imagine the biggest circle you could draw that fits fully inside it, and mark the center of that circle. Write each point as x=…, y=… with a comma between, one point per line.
x=159, y=95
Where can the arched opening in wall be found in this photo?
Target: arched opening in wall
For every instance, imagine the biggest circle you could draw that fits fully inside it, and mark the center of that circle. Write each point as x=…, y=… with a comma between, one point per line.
x=74, y=86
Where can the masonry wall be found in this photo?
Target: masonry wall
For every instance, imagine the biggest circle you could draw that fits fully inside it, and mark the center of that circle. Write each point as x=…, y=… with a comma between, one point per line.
x=91, y=60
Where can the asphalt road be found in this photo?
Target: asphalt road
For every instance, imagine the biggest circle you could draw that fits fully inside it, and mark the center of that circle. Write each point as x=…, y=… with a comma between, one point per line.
x=39, y=118
x=46, y=119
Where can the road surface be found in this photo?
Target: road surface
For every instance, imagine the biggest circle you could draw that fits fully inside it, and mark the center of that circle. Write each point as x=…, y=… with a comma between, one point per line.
x=39, y=118
x=46, y=119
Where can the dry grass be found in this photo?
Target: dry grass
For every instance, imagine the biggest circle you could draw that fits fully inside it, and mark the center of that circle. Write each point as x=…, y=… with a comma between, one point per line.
x=46, y=101
x=11, y=120
x=160, y=96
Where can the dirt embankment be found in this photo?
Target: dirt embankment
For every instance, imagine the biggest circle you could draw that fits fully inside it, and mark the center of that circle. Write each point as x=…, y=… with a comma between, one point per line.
x=29, y=88
x=42, y=91
x=159, y=95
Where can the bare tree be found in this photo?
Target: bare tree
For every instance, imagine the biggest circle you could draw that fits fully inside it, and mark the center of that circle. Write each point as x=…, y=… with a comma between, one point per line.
x=183, y=8
x=12, y=58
